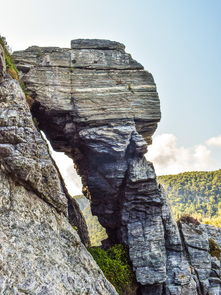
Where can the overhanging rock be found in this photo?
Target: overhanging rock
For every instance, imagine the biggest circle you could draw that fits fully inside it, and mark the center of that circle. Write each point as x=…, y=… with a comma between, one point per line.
x=100, y=107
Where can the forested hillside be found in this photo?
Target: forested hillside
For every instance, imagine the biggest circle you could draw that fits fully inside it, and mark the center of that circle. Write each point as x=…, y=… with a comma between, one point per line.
x=96, y=232
x=195, y=193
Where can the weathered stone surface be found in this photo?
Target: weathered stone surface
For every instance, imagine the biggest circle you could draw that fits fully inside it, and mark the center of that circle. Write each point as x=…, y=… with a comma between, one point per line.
x=115, y=87
x=215, y=273
x=96, y=44
x=40, y=251
x=197, y=246
x=2, y=63
x=99, y=106
x=213, y=233
x=24, y=154
x=204, y=267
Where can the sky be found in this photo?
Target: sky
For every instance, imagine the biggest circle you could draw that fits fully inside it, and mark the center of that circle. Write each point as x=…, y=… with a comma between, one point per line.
x=178, y=41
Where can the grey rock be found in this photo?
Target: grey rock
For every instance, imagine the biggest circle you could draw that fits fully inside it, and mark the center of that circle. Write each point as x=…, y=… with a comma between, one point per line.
x=96, y=44
x=212, y=232
x=179, y=277
x=99, y=106
x=24, y=154
x=205, y=267
x=2, y=63
x=40, y=251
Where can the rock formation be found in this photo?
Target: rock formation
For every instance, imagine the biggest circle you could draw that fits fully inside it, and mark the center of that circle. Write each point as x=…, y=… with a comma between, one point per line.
x=205, y=268
x=100, y=107
x=40, y=251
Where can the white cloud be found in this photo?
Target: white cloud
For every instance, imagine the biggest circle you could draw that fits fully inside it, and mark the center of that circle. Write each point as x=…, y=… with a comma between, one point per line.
x=170, y=158
x=66, y=167
x=214, y=141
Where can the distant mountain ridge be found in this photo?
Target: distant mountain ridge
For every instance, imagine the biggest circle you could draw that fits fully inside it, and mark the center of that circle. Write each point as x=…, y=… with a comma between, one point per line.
x=196, y=193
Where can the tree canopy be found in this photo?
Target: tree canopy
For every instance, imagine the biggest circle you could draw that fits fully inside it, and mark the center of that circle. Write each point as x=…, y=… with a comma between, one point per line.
x=195, y=193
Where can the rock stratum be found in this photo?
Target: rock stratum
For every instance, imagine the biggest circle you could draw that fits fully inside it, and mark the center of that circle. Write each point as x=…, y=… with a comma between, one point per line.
x=100, y=107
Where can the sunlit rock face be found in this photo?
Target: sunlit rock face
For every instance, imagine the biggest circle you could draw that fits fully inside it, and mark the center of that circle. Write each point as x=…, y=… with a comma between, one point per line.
x=100, y=107
x=40, y=250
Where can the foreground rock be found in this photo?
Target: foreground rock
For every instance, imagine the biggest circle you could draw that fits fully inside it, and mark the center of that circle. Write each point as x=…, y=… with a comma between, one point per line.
x=40, y=251
x=206, y=267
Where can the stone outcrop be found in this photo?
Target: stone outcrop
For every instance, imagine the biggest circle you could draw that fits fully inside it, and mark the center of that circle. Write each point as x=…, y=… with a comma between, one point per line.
x=100, y=107
x=206, y=268
x=40, y=251
x=2, y=63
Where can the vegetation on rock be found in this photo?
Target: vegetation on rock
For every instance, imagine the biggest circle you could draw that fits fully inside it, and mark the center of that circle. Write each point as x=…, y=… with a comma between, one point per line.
x=189, y=219
x=97, y=233
x=214, y=249
x=11, y=68
x=195, y=193
x=116, y=267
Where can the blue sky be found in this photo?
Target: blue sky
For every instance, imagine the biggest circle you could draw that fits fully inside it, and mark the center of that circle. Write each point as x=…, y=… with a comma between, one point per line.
x=179, y=42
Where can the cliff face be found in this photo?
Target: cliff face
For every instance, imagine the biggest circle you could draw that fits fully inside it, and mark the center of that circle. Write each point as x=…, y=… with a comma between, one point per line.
x=40, y=251
x=99, y=106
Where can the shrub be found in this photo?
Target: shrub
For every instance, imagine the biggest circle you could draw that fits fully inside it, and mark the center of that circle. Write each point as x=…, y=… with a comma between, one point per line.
x=214, y=249
x=116, y=267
